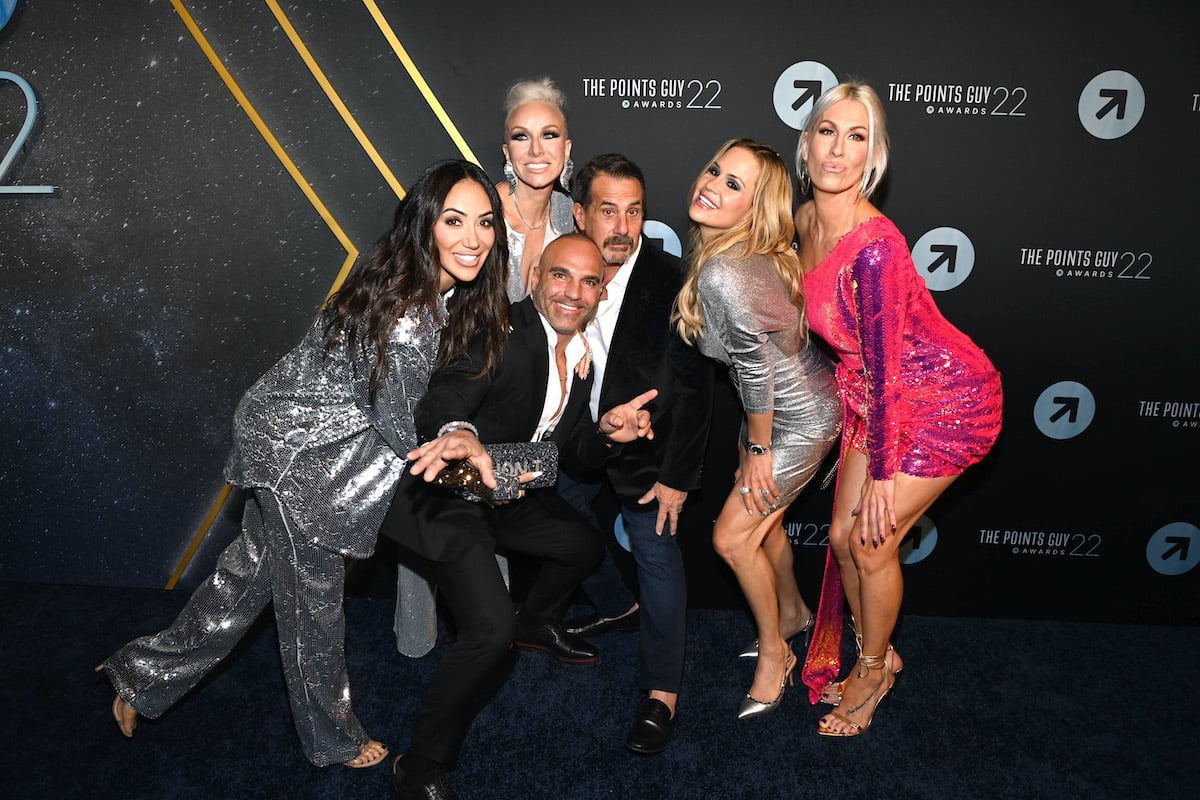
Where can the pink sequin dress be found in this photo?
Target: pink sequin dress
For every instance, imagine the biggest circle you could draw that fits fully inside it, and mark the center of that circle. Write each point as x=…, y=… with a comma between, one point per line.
x=919, y=396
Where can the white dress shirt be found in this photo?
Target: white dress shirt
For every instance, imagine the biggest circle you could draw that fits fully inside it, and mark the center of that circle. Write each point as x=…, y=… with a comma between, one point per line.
x=557, y=394
x=600, y=330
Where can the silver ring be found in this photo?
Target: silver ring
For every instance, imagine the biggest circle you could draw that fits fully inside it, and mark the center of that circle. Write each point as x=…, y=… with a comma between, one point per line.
x=745, y=490
x=763, y=492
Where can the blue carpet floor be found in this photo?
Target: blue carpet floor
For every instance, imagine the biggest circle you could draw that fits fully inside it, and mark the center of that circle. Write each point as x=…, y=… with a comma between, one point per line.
x=984, y=709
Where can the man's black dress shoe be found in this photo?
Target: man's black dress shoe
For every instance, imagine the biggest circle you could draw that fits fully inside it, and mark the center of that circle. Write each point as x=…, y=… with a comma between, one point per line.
x=551, y=638
x=594, y=624
x=435, y=789
x=651, y=730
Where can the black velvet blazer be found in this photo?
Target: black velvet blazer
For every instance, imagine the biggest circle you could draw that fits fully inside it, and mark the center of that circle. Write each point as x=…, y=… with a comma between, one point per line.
x=646, y=352
x=505, y=405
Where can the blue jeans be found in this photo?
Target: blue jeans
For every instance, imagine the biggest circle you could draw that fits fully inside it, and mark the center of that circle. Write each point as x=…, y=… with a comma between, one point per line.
x=662, y=585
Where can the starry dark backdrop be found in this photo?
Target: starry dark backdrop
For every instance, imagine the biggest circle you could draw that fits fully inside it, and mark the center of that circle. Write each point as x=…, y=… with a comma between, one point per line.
x=178, y=258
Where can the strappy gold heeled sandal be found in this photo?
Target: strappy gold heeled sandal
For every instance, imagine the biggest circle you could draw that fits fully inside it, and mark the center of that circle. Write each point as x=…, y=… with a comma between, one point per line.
x=866, y=665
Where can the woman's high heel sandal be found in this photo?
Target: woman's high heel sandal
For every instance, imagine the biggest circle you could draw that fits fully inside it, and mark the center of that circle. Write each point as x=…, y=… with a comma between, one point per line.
x=756, y=708
x=833, y=692
x=866, y=665
x=125, y=716
x=804, y=634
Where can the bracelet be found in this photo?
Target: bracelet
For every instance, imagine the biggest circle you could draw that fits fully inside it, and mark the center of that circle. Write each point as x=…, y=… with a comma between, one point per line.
x=458, y=425
x=757, y=449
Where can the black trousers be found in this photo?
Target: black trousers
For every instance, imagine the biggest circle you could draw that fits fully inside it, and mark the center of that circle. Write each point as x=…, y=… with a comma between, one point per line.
x=478, y=662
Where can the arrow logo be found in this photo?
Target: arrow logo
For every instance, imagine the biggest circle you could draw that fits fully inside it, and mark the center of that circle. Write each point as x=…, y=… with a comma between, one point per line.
x=1070, y=405
x=949, y=257
x=1117, y=99
x=811, y=90
x=1179, y=544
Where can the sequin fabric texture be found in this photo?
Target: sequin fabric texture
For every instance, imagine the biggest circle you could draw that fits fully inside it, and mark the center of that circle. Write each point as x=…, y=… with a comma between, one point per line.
x=307, y=431
x=322, y=463
x=751, y=326
x=921, y=398
x=561, y=222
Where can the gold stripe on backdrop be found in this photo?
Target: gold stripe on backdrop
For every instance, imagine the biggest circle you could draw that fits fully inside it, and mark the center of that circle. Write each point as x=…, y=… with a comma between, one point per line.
x=336, y=100
x=309, y=192
x=415, y=74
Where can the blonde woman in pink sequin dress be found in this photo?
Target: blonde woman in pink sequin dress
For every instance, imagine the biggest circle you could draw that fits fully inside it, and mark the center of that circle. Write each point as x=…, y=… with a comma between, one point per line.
x=922, y=402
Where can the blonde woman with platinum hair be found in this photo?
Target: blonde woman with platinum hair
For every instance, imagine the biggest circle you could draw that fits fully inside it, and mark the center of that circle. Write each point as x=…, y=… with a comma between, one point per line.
x=921, y=400
x=537, y=157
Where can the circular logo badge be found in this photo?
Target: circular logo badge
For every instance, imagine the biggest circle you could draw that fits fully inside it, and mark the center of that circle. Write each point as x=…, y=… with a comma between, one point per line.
x=1064, y=410
x=653, y=229
x=797, y=89
x=919, y=542
x=1111, y=105
x=1174, y=549
x=944, y=257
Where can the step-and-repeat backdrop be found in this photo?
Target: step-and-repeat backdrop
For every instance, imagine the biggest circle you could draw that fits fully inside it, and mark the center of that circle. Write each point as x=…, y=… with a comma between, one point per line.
x=183, y=180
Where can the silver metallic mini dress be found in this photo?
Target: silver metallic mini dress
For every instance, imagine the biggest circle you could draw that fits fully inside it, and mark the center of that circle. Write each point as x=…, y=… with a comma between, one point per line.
x=751, y=326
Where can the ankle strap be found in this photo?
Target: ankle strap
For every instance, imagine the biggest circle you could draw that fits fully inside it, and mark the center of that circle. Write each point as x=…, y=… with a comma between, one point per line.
x=870, y=663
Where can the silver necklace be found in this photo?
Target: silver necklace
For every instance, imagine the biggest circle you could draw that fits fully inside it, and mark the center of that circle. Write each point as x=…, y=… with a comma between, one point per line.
x=517, y=206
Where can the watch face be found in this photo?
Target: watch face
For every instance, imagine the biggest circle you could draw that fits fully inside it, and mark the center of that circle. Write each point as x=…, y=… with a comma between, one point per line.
x=757, y=449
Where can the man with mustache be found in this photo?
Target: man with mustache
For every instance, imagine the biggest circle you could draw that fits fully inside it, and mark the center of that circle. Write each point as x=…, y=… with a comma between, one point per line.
x=633, y=345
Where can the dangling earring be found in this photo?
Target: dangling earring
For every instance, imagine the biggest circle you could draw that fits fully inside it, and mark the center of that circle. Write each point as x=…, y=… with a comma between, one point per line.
x=564, y=180
x=510, y=175
x=805, y=182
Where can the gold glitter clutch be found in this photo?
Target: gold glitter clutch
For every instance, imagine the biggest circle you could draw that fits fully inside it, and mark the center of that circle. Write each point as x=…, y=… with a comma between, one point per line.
x=510, y=460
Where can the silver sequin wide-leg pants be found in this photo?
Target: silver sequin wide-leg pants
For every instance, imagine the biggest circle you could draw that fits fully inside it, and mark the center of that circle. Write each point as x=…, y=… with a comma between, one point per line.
x=267, y=562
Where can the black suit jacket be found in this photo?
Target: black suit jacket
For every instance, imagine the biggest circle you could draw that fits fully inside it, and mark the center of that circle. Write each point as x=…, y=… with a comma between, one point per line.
x=646, y=352
x=505, y=405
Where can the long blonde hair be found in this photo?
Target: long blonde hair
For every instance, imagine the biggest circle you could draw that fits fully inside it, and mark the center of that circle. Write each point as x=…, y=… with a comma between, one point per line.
x=767, y=229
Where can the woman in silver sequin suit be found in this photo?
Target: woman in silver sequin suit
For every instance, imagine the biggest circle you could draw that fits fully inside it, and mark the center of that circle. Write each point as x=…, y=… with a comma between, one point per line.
x=319, y=442
x=537, y=155
x=743, y=304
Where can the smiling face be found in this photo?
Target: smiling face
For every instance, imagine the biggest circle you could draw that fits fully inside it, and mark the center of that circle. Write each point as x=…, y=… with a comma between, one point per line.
x=463, y=234
x=613, y=217
x=567, y=283
x=536, y=143
x=837, y=149
x=723, y=195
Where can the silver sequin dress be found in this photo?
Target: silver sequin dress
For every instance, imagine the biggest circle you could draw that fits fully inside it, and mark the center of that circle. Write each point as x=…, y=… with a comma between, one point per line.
x=322, y=464
x=751, y=326
x=561, y=222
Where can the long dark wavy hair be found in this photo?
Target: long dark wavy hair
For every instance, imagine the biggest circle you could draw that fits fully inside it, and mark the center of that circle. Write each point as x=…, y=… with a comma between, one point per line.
x=402, y=272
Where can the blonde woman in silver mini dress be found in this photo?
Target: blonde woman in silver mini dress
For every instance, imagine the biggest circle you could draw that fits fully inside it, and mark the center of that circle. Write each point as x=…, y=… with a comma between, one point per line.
x=743, y=305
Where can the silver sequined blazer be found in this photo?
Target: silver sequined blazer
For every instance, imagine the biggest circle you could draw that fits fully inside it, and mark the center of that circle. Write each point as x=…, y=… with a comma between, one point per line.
x=307, y=432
